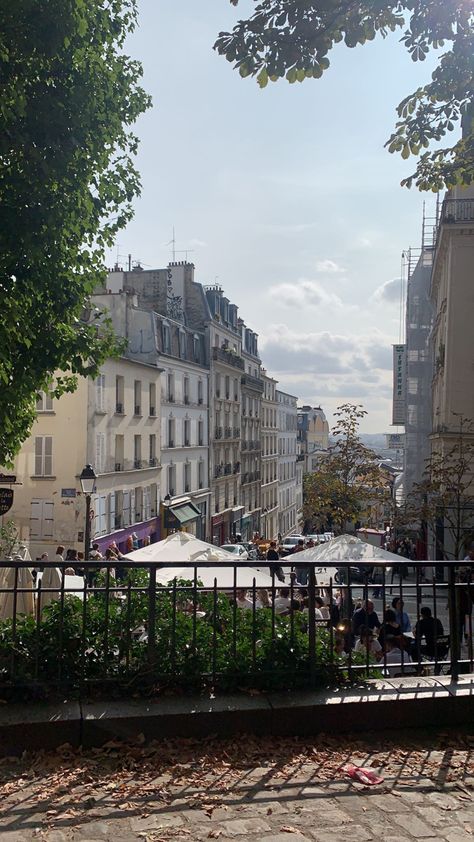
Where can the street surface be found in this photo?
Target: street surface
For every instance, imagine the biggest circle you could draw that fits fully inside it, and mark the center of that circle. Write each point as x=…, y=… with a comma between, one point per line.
x=252, y=788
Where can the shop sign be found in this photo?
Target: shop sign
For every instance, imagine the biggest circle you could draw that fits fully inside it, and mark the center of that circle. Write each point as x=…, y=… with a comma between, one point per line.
x=6, y=500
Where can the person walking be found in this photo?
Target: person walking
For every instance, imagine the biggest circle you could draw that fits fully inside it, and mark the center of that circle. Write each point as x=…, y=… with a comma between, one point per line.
x=273, y=556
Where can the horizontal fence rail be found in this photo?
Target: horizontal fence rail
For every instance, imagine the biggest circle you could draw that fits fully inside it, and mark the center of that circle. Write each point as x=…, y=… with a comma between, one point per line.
x=228, y=625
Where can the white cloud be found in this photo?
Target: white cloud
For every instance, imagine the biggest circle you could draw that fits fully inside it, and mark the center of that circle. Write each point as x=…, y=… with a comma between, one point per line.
x=387, y=293
x=328, y=266
x=305, y=293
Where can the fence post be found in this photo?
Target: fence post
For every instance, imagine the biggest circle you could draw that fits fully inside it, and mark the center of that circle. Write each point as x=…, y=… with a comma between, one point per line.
x=152, y=616
x=453, y=622
x=312, y=626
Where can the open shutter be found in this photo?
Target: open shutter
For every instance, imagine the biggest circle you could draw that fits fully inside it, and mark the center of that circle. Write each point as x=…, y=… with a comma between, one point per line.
x=47, y=526
x=133, y=518
x=102, y=515
x=126, y=508
x=35, y=518
x=111, y=512
x=39, y=456
x=48, y=456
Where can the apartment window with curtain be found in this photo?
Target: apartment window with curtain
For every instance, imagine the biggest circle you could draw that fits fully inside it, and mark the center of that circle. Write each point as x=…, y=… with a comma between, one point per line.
x=171, y=430
x=186, y=389
x=119, y=395
x=171, y=480
x=201, y=474
x=152, y=400
x=44, y=402
x=187, y=478
x=137, y=393
x=170, y=386
x=137, y=451
x=152, y=450
x=200, y=392
x=187, y=433
x=43, y=456
x=119, y=453
x=200, y=433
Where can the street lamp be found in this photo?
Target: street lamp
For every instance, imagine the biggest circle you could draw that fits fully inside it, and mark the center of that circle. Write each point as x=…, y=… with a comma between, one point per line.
x=87, y=478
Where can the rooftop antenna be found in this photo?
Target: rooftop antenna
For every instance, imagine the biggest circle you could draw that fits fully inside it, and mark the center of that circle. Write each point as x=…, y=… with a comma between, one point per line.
x=172, y=242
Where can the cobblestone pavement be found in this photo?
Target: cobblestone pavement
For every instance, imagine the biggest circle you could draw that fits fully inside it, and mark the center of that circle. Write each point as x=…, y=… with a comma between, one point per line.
x=269, y=789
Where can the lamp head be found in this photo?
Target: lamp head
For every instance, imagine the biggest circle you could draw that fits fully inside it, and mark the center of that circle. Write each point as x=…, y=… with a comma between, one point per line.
x=88, y=478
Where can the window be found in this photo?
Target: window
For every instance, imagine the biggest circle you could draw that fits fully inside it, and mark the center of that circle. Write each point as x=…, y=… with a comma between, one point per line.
x=152, y=450
x=200, y=392
x=100, y=453
x=196, y=347
x=236, y=390
x=227, y=387
x=182, y=344
x=170, y=432
x=166, y=335
x=152, y=400
x=200, y=433
x=112, y=509
x=186, y=389
x=119, y=450
x=187, y=433
x=138, y=514
x=171, y=480
x=146, y=515
x=187, y=478
x=218, y=385
x=43, y=456
x=201, y=474
x=42, y=519
x=119, y=394
x=137, y=392
x=137, y=451
x=100, y=393
x=44, y=402
x=170, y=384
x=127, y=501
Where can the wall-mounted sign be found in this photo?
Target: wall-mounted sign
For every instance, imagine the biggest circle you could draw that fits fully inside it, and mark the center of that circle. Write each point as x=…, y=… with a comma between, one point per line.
x=7, y=479
x=68, y=492
x=395, y=441
x=6, y=500
x=399, y=385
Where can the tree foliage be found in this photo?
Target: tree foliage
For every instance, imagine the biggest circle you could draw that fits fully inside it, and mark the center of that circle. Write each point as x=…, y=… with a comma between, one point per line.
x=445, y=495
x=349, y=480
x=68, y=94
x=293, y=38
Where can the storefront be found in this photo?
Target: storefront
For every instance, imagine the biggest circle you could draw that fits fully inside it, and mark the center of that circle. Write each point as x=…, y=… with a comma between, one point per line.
x=236, y=528
x=146, y=532
x=218, y=529
x=183, y=516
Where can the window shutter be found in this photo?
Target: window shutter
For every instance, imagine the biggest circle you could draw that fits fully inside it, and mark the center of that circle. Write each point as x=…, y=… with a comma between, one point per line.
x=111, y=512
x=102, y=515
x=47, y=526
x=126, y=508
x=39, y=456
x=48, y=456
x=132, y=507
x=35, y=518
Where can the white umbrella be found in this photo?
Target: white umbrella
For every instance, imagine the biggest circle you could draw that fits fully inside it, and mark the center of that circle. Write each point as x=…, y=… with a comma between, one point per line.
x=180, y=547
x=24, y=601
x=183, y=547
x=347, y=548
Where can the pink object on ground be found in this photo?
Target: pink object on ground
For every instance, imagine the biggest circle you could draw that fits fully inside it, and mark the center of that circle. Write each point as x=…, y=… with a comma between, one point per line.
x=364, y=776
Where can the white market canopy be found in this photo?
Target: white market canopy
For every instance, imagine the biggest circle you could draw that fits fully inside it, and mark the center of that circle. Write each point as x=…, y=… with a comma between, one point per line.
x=184, y=547
x=348, y=548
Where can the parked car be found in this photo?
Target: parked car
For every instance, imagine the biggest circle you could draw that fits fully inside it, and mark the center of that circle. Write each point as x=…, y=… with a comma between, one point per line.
x=252, y=550
x=291, y=542
x=236, y=549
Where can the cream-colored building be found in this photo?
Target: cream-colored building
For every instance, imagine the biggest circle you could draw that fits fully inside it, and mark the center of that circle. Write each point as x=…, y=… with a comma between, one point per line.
x=111, y=423
x=313, y=436
x=269, y=438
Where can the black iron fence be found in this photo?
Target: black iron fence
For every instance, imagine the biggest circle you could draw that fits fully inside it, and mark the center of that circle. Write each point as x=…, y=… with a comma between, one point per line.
x=227, y=625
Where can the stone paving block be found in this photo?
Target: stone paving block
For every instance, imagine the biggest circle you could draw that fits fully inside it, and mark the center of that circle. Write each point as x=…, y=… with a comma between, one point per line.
x=155, y=821
x=93, y=830
x=456, y=834
x=389, y=803
x=415, y=826
x=435, y=817
x=243, y=827
x=285, y=837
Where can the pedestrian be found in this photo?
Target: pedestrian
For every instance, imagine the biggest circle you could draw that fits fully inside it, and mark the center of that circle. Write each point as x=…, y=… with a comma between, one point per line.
x=402, y=617
x=365, y=616
x=273, y=556
x=59, y=554
x=429, y=629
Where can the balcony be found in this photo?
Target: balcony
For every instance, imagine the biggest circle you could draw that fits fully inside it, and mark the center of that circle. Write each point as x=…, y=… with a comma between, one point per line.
x=227, y=357
x=171, y=443
x=218, y=471
x=200, y=401
x=137, y=409
x=457, y=211
x=152, y=461
x=236, y=468
x=245, y=479
x=236, y=432
x=253, y=383
x=218, y=433
x=228, y=432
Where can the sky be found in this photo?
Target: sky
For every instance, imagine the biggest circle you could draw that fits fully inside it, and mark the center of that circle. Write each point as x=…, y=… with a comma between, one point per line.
x=285, y=196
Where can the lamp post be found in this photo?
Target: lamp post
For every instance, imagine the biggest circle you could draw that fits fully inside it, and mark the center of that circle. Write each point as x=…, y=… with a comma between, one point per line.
x=87, y=478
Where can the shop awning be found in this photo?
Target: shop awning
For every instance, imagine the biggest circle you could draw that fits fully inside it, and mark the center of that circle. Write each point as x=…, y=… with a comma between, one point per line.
x=181, y=514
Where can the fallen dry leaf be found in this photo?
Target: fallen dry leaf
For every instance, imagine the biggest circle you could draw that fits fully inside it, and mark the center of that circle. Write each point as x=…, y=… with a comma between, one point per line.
x=288, y=828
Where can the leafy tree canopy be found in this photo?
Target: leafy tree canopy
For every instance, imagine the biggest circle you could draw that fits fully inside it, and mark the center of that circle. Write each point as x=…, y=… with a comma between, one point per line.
x=349, y=480
x=68, y=95
x=293, y=39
